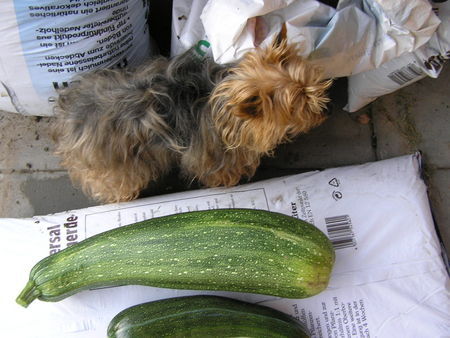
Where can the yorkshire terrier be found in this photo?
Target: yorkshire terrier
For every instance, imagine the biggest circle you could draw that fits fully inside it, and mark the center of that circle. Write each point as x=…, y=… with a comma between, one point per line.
x=118, y=130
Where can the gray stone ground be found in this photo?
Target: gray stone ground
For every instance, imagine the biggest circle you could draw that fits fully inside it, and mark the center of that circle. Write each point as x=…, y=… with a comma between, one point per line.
x=414, y=118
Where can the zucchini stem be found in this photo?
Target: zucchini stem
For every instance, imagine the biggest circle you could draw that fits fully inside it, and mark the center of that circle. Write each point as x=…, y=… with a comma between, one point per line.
x=28, y=294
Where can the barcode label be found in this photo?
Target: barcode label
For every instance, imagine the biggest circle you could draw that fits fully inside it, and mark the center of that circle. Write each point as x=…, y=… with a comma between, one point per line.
x=406, y=74
x=340, y=231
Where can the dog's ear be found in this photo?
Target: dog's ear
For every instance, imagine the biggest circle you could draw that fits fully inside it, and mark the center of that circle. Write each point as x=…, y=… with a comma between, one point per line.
x=282, y=35
x=279, y=52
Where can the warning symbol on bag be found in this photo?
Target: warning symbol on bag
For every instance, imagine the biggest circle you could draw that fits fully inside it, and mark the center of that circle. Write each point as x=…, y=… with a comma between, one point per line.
x=334, y=182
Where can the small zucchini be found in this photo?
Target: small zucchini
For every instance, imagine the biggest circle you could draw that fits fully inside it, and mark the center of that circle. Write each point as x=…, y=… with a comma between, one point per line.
x=203, y=316
x=243, y=250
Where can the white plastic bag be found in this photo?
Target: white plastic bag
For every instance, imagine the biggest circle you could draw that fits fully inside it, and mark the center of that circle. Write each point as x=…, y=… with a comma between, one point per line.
x=428, y=60
x=377, y=216
x=356, y=36
x=187, y=29
x=45, y=44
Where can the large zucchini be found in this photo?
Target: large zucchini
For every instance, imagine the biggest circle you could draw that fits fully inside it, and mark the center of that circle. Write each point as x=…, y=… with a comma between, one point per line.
x=242, y=250
x=203, y=316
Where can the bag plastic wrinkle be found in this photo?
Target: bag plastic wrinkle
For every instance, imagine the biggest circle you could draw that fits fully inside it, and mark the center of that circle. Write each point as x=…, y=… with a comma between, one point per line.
x=357, y=36
x=187, y=29
x=389, y=276
x=427, y=60
x=44, y=45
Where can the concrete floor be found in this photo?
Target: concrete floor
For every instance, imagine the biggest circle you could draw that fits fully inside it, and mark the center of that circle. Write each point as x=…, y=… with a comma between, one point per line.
x=414, y=118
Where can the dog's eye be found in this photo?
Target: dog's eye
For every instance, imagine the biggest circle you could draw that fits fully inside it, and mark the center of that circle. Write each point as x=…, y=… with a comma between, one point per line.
x=253, y=100
x=250, y=107
x=251, y=110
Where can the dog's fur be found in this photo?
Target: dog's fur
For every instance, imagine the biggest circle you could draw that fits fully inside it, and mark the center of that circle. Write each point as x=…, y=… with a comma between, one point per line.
x=118, y=130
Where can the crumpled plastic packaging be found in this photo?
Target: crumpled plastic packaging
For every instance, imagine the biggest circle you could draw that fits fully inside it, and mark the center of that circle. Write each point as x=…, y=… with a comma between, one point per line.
x=427, y=60
x=356, y=36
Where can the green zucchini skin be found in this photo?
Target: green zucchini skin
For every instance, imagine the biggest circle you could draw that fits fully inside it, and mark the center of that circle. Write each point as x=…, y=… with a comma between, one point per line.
x=203, y=316
x=242, y=250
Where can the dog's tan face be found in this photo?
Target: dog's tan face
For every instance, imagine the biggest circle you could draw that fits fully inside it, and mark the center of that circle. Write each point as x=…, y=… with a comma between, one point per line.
x=269, y=97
